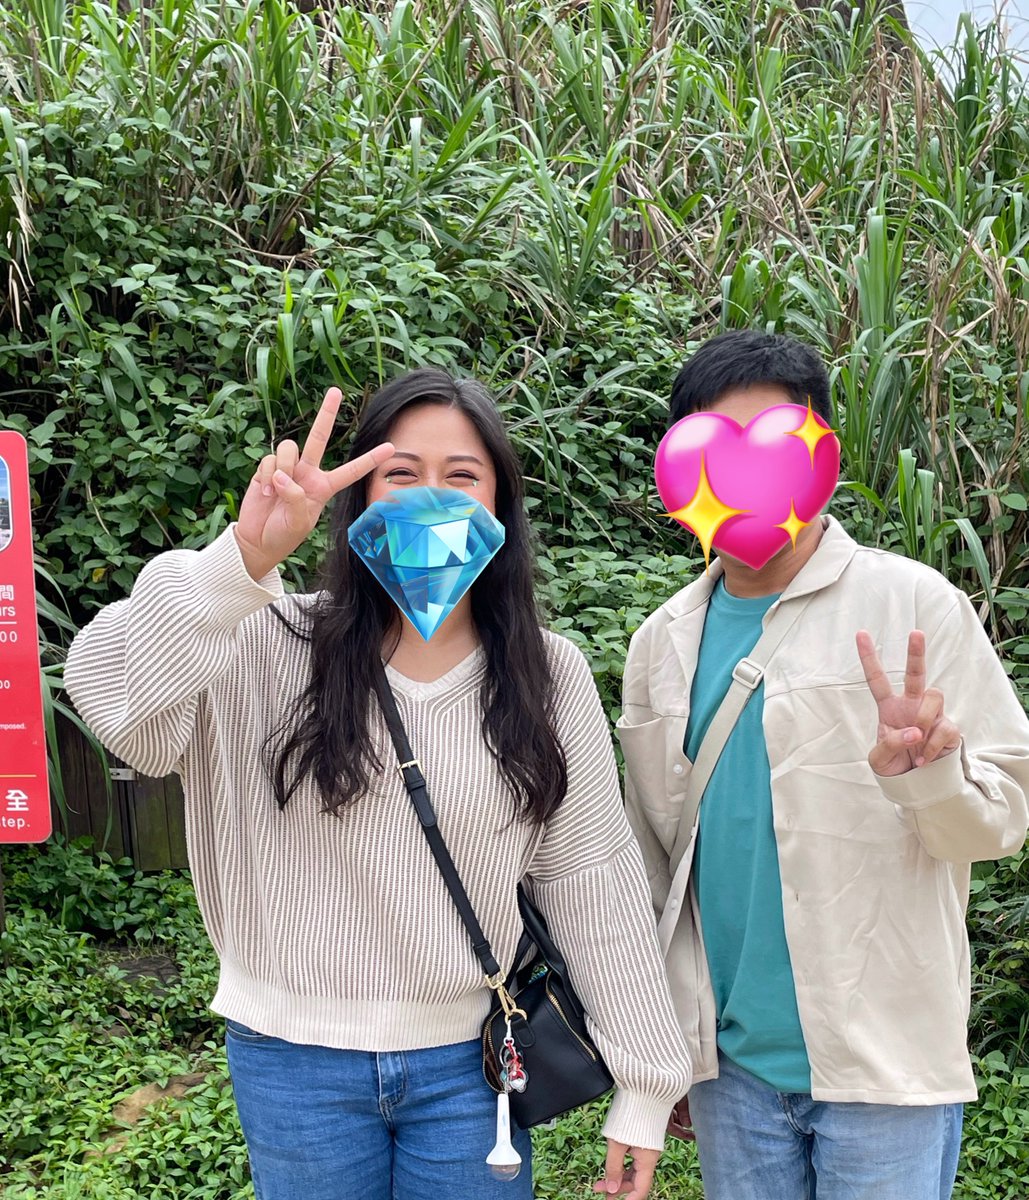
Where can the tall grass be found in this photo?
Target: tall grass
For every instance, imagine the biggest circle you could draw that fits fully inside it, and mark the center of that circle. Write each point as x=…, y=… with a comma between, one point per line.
x=809, y=172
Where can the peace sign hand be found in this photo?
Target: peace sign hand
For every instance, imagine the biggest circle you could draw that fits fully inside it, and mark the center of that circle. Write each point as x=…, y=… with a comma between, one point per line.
x=289, y=490
x=912, y=729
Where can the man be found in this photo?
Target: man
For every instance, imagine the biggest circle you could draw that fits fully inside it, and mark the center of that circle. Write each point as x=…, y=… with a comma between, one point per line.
x=818, y=955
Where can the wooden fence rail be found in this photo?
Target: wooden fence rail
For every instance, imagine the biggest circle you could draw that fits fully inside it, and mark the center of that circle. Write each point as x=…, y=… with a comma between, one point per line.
x=141, y=819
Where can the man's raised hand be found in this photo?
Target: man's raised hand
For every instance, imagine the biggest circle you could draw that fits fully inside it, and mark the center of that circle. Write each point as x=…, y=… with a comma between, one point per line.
x=289, y=490
x=912, y=730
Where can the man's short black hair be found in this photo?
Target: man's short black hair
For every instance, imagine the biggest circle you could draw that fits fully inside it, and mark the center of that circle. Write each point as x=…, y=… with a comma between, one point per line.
x=744, y=358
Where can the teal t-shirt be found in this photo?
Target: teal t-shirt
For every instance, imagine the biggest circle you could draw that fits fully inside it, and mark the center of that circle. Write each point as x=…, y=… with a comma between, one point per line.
x=736, y=868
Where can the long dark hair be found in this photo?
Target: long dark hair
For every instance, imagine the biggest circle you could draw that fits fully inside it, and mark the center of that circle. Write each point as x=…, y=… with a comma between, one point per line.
x=326, y=733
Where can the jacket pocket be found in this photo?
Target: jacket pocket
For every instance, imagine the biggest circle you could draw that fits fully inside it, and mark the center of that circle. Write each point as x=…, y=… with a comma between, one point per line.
x=658, y=770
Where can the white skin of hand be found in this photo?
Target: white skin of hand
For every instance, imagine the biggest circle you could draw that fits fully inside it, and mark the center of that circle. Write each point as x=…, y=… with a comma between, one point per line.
x=912, y=728
x=290, y=489
x=632, y=1182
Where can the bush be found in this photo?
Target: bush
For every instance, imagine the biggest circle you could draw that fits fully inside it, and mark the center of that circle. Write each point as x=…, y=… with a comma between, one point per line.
x=998, y=921
x=185, y=274
x=80, y=1036
x=995, y=1159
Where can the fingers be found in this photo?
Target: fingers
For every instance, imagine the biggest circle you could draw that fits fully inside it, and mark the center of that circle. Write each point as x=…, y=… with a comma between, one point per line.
x=930, y=710
x=633, y=1182
x=914, y=673
x=265, y=471
x=287, y=489
x=644, y=1162
x=944, y=738
x=892, y=744
x=680, y=1122
x=914, y=670
x=878, y=684
x=342, y=477
x=286, y=455
x=614, y=1182
x=284, y=459
x=321, y=429
x=681, y=1133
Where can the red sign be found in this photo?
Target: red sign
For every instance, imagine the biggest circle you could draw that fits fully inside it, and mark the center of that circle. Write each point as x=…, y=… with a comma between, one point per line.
x=24, y=795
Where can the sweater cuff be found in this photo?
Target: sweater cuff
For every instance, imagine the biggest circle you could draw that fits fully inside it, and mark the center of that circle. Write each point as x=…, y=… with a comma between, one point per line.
x=636, y=1119
x=223, y=585
x=923, y=787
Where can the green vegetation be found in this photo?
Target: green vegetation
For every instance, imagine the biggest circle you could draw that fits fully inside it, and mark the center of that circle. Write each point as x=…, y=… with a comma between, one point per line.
x=211, y=209
x=80, y=1036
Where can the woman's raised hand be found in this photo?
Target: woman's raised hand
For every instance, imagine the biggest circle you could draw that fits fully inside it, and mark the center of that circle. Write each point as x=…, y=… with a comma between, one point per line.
x=289, y=490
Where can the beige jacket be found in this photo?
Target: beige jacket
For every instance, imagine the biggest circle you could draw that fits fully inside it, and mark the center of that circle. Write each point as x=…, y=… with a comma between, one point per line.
x=875, y=872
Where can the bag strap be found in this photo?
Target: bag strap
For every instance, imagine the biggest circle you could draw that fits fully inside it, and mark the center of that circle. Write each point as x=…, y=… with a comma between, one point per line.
x=414, y=781
x=539, y=935
x=746, y=676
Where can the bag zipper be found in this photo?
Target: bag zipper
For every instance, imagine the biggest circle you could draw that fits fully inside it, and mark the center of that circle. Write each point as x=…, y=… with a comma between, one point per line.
x=488, y=1067
x=585, y=1045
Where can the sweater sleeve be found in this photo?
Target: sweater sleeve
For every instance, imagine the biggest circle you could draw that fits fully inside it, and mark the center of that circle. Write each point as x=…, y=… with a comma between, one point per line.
x=589, y=881
x=972, y=804
x=137, y=671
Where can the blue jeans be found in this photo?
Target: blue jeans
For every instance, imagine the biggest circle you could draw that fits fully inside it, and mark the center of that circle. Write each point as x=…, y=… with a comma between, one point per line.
x=756, y=1143
x=324, y=1124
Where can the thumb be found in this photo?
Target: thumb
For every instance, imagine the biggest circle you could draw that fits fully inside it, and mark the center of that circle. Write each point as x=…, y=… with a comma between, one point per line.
x=891, y=743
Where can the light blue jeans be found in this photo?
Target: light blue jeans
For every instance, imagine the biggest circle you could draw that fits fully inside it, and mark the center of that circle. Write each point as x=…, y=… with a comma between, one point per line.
x=756, y=1143
x=324, y=1124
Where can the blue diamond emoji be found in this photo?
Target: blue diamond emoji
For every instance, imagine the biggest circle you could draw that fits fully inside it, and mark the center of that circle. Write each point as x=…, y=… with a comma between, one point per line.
x=426, y=546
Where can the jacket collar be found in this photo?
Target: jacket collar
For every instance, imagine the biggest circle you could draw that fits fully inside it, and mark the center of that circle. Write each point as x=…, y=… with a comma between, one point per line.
x=823, y=568
x=826, y=565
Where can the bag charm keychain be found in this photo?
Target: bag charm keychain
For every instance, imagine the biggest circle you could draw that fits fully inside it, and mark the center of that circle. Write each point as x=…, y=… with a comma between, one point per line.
x=503, y=1160
x=512, y=1069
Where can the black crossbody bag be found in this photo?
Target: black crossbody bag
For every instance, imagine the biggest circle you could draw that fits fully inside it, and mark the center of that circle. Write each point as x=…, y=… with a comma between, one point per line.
x=563, y=1068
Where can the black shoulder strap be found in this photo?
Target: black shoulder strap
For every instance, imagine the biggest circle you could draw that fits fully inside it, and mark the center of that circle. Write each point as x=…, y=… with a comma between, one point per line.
x=414, y=781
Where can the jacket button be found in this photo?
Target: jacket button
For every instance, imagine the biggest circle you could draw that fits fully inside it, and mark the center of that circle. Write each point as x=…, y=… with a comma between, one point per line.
x=677, y=768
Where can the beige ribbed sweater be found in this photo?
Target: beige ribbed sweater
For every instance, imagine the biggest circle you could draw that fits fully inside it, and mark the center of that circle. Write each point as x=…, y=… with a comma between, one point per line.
x=339, y=931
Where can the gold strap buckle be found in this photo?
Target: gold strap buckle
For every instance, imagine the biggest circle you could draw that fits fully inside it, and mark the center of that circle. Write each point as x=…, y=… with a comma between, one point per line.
x=496, y=982
x=411, y=763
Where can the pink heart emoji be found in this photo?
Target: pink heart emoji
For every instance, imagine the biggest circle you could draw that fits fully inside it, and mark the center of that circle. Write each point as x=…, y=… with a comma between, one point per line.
x=747, y=491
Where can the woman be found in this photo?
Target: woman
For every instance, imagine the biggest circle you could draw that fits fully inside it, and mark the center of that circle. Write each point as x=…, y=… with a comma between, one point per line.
x=352, y=998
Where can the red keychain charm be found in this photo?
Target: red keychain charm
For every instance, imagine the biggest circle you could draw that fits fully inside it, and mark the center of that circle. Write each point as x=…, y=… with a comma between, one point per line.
x=512, y=1068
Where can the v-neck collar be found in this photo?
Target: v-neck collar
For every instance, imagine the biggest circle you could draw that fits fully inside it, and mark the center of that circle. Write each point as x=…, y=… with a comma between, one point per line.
x=457, y=676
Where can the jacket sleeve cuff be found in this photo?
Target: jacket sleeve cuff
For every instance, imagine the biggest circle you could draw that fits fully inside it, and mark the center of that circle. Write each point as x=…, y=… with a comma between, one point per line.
x=636, y=1119
x=922, y=787
x=223, y=586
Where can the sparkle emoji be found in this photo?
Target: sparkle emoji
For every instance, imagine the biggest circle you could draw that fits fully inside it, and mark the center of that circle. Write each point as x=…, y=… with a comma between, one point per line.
x=793, y=524
x=705, y=514
x=811, y=432
x=748, y=492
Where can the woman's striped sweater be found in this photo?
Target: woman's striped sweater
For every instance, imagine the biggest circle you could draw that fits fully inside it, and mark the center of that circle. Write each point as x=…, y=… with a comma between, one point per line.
x=338, y=930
